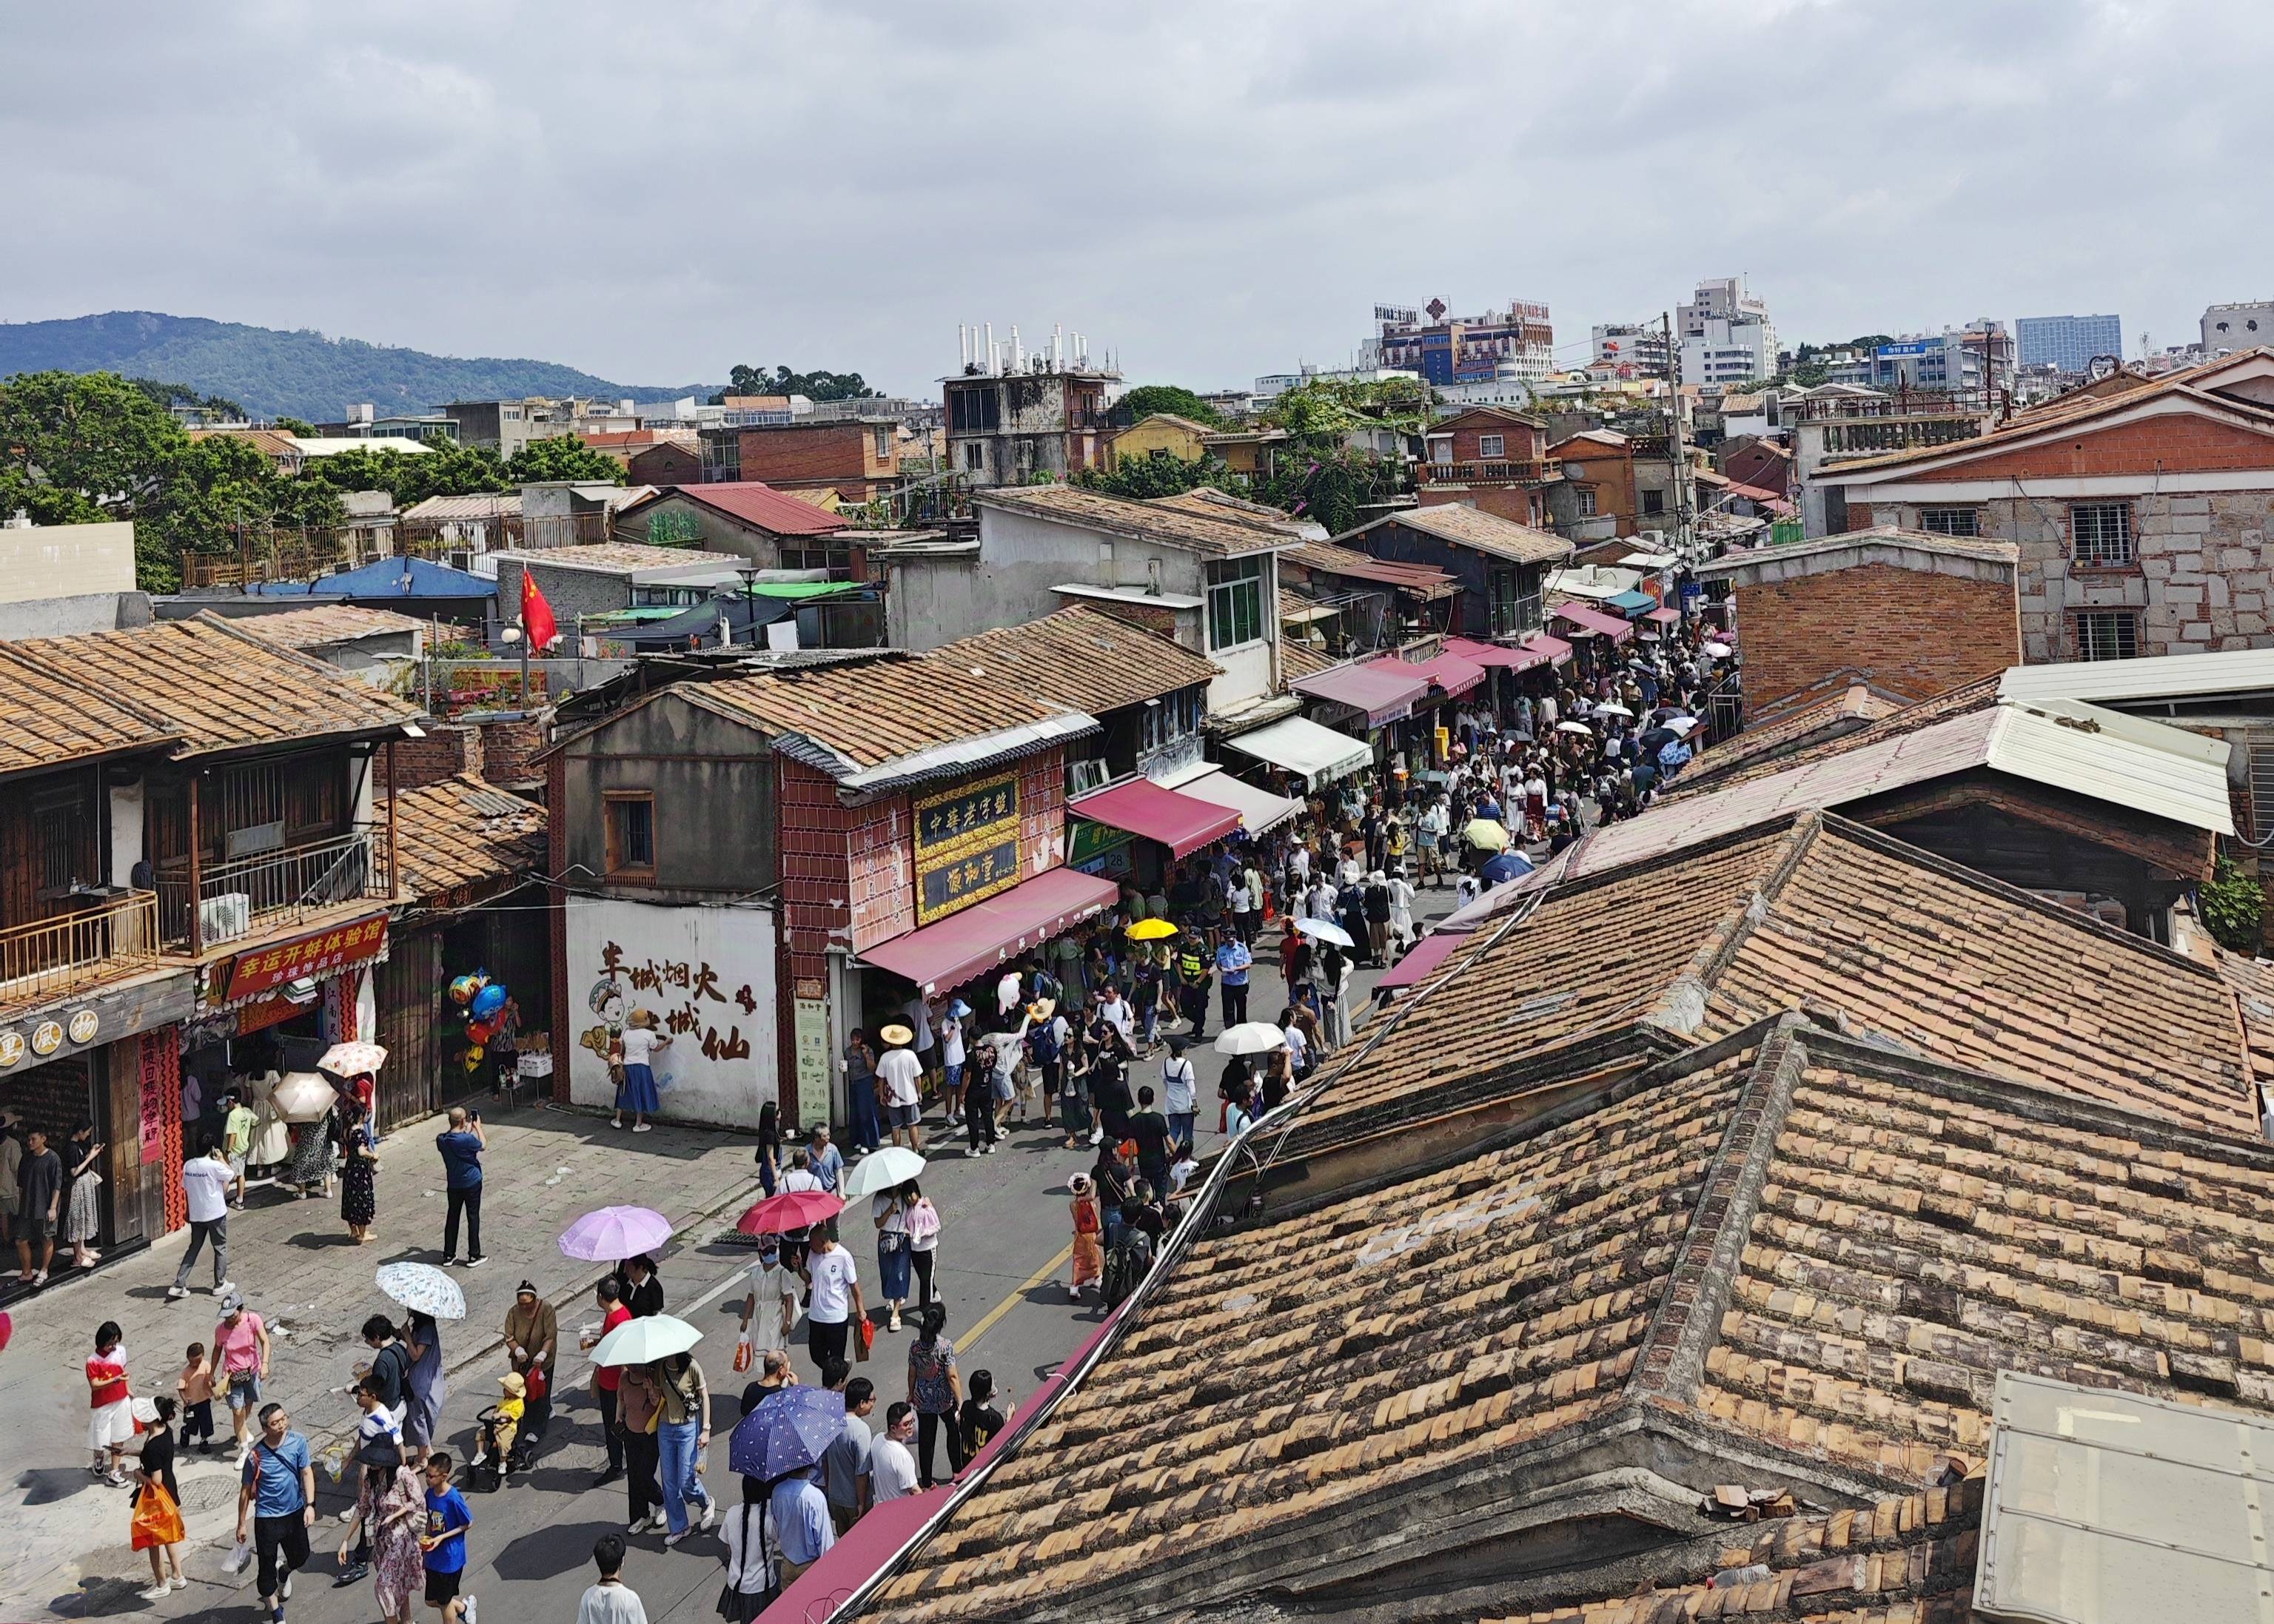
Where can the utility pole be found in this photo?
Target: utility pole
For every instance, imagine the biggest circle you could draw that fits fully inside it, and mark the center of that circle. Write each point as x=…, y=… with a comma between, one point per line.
x=1677, y=459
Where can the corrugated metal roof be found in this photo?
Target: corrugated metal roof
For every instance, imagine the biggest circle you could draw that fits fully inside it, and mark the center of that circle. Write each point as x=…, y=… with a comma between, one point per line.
x=2166, y=676
x=326, y=623
x=752, y=502
x=464, y=509
x=1170, y=526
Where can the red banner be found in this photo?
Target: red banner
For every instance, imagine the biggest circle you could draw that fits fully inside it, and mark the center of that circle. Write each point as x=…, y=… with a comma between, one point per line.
x=317, y=953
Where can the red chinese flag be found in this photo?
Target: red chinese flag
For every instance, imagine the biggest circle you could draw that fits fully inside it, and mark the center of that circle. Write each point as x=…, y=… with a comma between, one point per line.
x=537, y=622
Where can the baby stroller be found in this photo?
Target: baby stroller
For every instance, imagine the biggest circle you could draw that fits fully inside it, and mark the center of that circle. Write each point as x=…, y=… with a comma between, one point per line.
x=498, y=1429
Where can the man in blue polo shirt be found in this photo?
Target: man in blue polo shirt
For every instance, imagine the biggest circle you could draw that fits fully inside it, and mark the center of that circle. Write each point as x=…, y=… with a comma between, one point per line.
x=278, y=1502
x=1232, y=959
x=461, y=1145
x=800, y=1517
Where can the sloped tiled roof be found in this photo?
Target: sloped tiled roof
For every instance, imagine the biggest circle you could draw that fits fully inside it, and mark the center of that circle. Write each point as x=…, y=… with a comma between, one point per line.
x=48, y=717
x=1330, y=559
x=1826, y=914
x=1977, y=696
x=752, y=502
x=1297, y=658
x=1779, y=737
x=1793, y=1258
x=327, y=623
x=1473, y=527
x=619, y=557
x=1081, y=659
x=214, y=687
x=464, y=509
x=464, y=831
x=1211, y=503
x=1219, y=536
x=876, y=711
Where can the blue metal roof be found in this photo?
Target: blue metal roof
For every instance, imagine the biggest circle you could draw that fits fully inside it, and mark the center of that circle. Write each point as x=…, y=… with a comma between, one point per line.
x=388, y=580
x=1632, y=603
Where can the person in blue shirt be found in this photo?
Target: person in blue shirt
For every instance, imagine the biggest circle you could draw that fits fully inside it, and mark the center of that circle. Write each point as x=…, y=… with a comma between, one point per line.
x=800, y=1517
x=461, y=1145
x=444, y=1542
x=1232, y=959
x=278, y=1499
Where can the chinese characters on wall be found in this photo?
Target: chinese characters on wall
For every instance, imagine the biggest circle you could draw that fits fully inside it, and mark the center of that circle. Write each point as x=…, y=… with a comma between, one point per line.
x=966, y=847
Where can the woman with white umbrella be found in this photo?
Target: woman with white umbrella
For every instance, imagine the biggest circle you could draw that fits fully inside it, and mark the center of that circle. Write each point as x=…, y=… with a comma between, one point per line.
x=882, y=1177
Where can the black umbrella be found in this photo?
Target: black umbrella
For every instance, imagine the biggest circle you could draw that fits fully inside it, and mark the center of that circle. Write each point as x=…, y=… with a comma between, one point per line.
x=1657, y=738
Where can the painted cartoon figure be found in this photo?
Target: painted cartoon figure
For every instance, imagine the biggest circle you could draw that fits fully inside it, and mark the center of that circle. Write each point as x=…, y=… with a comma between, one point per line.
x=608, y=1001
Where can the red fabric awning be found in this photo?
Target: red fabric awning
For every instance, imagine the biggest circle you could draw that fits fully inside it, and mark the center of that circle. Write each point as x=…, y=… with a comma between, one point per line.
x=1664, y=617
x=1447, y=673
x=1617, y=628
x=987, y=933
x=1378, y=696
x=1427, y=955
x=1518, y=656
x=1181, y=822
x=1555, y=647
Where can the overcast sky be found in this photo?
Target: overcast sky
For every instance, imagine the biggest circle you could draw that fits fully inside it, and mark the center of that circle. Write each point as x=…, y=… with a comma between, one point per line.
x=1214, y=189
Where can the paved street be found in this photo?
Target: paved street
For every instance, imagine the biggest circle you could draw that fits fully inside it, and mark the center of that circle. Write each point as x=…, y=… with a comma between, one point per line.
x=1002, y=1272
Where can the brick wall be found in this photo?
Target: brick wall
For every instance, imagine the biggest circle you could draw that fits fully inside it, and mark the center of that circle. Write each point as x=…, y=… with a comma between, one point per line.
x=1507, y=501
x=836, y=452
x=2175, y=443
x=1519, y=442
x=1761, y=465
x=447, y=750
x=815, y=883
x=506, y=749
x=571, y=593
x=665, y=464
x=1917, y=634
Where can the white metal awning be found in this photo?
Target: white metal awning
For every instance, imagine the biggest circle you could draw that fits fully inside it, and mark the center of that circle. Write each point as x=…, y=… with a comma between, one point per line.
x=1258, y=809
x=1316, y=754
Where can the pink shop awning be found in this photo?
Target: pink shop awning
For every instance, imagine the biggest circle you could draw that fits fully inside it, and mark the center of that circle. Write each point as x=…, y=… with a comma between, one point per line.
x=1428, y=954
x=1449, y=673
x=985, y=933
x=1377, y=695
x=1183, y=823
x=1617, y=628
x=1507, y=657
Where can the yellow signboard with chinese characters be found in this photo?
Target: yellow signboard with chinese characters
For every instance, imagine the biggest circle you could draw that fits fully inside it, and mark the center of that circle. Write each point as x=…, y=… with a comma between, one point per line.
x=966, y=847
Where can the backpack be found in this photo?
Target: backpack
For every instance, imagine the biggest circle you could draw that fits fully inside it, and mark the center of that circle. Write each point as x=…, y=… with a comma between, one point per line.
x=1043, y=1042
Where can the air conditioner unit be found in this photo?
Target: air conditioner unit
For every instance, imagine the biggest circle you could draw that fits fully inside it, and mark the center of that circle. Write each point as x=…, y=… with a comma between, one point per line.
x=225, y=918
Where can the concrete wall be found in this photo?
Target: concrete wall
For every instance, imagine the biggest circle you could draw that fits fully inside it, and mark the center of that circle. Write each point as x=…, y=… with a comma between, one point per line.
x=706, y=972
x=1020, y=559
x=65, y=561
x=571, y=593
x=718, y=533
x=65, y=617
x=714, y=813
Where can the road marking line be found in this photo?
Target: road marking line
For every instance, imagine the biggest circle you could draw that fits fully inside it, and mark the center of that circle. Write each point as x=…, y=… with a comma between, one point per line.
x=1014, y=1299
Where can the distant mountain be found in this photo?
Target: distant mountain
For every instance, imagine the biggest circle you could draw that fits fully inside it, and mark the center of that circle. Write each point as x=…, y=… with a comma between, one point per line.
x=301, y=374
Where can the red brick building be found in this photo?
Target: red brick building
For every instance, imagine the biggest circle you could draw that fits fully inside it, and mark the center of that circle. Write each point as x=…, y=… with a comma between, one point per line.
x=1911, y=615
x=1488, y=458
x=2141, y=513
x=858, y=458
x=667, y=463
x=1762, y=463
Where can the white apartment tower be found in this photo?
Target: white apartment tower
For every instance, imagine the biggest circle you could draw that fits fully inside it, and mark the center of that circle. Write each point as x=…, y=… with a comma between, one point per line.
x=1726, y=333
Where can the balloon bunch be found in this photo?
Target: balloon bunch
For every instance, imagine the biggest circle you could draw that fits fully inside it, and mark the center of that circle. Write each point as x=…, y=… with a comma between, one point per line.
x=483, y=1002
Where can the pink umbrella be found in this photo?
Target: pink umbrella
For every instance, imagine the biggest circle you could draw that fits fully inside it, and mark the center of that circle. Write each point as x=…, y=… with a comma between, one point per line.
x=793, y=1209
x=616, y=1233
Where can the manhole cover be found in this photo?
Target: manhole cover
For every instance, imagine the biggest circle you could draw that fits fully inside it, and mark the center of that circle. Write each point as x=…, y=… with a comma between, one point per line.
x=208, y=1494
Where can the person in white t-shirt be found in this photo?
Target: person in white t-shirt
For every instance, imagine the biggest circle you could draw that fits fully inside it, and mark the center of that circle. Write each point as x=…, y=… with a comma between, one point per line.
x=952, y=1061
x=892, y=1463
x=770, y=1309
x=835, y=1302
x=901, y=1073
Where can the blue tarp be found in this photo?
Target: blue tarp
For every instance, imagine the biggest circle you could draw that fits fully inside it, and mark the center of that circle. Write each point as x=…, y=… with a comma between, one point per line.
x=1631, y=604
x=388, y=580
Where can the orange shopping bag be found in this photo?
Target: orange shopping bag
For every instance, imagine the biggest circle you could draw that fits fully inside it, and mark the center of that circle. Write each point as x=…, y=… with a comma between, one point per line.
x=157, y=1519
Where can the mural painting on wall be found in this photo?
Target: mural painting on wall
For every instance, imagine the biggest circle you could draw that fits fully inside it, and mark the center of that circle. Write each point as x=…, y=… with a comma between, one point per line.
x=677, y=990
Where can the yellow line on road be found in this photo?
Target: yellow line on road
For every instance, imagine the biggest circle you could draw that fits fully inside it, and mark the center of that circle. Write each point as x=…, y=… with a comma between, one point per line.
x=965, y=1344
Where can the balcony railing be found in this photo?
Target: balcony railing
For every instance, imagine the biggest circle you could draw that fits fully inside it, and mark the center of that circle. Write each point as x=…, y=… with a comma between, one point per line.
x=1484, y=472
x=272, y=888
x=49, y=958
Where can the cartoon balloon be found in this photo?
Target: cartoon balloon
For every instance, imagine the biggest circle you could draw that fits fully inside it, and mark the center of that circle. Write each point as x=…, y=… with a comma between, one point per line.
x=473, y=1057
x=487, y=1001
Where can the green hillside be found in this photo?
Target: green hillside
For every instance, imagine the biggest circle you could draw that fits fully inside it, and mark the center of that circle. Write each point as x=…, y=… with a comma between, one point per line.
x=302, y=374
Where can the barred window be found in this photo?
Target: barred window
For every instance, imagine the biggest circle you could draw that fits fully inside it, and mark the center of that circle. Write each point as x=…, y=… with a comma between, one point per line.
x=2107, y=634
x=2100, y=533
x=1951, y=521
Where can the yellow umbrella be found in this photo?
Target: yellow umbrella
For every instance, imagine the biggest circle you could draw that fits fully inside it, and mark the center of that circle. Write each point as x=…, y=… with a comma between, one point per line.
x=1486, y=835
x=1151, y=930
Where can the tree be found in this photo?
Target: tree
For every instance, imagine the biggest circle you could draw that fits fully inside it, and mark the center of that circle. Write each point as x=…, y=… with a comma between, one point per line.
x=1330, y=486
x=1178, y=402
x=297, y=426
x=820, y=385
x=167, y=396
x=564, y=456
x=1141, y=478
x=2233, y=904
x=444, y=468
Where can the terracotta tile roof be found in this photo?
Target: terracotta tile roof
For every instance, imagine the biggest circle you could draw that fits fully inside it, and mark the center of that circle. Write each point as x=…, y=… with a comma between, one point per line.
x=619, y=557
x=1297, y=658
x=1220, y=536
x=49, y=716
x=871, y=712
x=1081, y=659
x=1975, y=696
x=1209, y=502
x=1831, y=716
x=1795, y=1258
x=326, y=623
x=1820, y=914
x=1328, y=558
x=753, y=503
x=1901, y=1558
x=464, y=831
x=1312, y=1365
x=1473, y=527
x=216, y=686
x=2253, y=982
x=464, y=509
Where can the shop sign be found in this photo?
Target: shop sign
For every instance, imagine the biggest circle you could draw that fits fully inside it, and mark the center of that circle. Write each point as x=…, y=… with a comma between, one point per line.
x=319, y=953
x=967, y=816
x=960, y=880
x=47, y=1037
x=83, y=1024
x=811, y=1029
x=158, y=1080
x=1093, y=840
x=11, y=1048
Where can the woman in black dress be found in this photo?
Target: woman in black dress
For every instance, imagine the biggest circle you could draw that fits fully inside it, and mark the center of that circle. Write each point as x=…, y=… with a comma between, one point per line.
x=359, y=1181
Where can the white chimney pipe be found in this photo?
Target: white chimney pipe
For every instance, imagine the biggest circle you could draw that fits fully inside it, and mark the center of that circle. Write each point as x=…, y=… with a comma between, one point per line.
x=991, y=368
x=962, y=347
x=1058, y=346
x=1018, y=350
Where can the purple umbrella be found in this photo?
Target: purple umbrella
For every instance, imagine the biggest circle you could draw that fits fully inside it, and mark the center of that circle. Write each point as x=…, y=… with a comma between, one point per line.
x=786, y=1432
x=616, y=1233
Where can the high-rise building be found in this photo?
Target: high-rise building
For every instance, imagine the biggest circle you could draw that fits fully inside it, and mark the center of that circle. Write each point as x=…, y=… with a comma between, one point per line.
x=1726, y=333
x=1516, y=341
x=1974, y=358
x=2068, y=344
x=2237, y=326
x=1636, y=349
